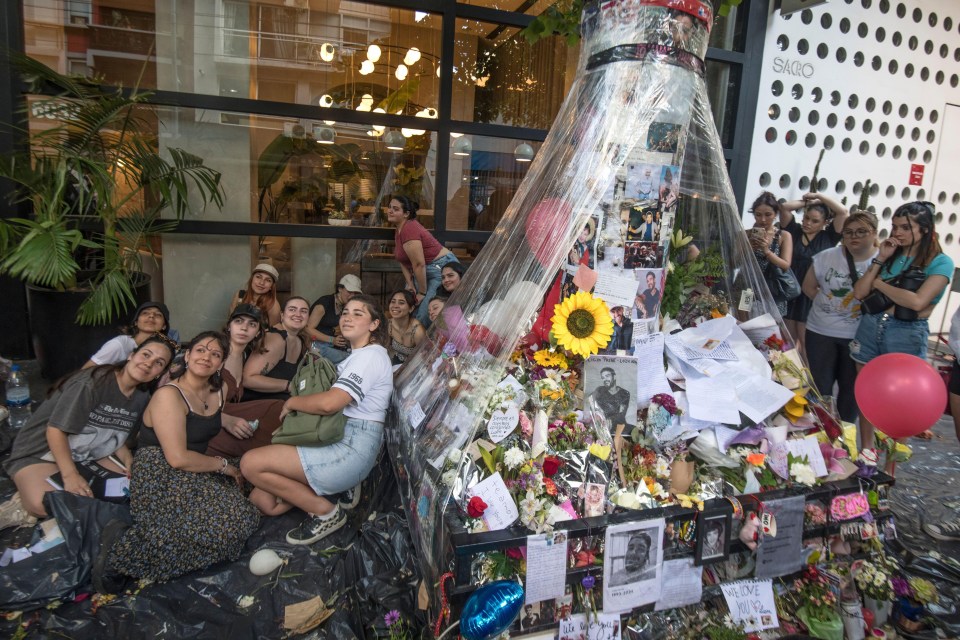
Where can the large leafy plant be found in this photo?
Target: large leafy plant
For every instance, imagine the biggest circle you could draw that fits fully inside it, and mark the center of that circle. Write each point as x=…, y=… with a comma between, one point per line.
x=98, y=167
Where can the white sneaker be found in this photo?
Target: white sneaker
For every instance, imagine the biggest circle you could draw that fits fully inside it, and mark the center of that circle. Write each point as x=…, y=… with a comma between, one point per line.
x=12, y=514
x=943, y=530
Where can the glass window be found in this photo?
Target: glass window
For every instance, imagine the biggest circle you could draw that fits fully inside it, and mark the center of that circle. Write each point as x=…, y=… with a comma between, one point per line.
x=483, y=177
x=729, y=32
x=723, y=87
x=499, y=78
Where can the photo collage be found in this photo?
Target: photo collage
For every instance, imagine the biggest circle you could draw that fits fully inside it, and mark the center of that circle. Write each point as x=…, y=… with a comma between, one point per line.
x=628, y=238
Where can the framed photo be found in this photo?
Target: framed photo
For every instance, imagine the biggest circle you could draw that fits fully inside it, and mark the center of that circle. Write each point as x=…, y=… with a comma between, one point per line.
x=713, y=537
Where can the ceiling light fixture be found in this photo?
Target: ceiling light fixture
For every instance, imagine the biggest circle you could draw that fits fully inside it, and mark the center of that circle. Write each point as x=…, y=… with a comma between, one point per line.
x=394, y=141
x=523, y=153
x=413, y=54
x=373, y=53
x=401, y=72
x=326, y=100
x=462, y=147
x=366, y=68
x=327, y=52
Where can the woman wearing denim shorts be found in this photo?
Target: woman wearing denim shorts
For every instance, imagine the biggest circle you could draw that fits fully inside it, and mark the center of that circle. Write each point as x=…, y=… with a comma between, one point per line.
x=901, y=327
x=288, y=476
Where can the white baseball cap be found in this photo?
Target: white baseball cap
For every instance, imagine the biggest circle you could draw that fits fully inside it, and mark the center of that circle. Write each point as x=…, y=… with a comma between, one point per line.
x=351, y=283
x=268, y=269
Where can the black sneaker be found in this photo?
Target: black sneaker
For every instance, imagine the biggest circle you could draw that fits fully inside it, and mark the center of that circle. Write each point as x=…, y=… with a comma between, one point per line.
x=104, y=580
x=944, y=530
x=351, y=497
x=314, y=528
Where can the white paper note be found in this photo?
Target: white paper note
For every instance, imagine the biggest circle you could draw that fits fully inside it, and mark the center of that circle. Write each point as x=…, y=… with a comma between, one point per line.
x=501, y=509
x=682, y=584
x=512, y=383
x=546, y=566
x=760, y=328
x=606, y=626
x=574, y=627
x=651, y=375
x=809, y=448
x=117, y=487
x=713, y=399
x=759, y=397
x=503, y=422
x=416, y=415
x=751, y=602
x=616, y=290
x=724, y=436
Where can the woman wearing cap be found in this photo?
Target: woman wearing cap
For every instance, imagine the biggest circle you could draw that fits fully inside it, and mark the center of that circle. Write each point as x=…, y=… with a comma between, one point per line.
x=245, y=425
x=268, y=372
x=87, y=417
x=420, y=255
x=323, y=325
x=912, y=271
x=261, y=291
x=149, y=318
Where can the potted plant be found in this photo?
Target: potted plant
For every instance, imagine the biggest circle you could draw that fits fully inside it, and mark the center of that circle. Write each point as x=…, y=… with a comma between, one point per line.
x=913, y=597
x=339, y=219
x=97, y=186
x=873, y=580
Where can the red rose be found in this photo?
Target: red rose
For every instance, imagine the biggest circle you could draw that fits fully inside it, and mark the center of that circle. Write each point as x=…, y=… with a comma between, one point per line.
x=550, y=466
x=515, y=553
x=476, y=507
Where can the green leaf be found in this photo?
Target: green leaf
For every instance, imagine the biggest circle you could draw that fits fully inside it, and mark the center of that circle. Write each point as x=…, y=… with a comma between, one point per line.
x=488, y=460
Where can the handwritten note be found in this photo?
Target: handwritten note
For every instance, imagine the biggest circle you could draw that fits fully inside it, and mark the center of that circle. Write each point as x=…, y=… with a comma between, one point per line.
x=503, y=422
x=416, y=415
x=520, y=396
x=751, y=602
x=809, y=448
x=758, y=397
x=615, y=290
x=501, y=509
x=712, y=399
x=682, y=584
x=546, y=566
x=651, y=375
x=574, y=627
x=606, y=626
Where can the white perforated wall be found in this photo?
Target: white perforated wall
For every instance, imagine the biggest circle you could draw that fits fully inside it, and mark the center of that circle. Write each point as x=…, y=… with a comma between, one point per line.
x=875, y=82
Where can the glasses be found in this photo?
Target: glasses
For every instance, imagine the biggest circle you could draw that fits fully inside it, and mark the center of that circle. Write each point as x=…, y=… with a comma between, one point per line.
x=174, y=346
x=856, y=233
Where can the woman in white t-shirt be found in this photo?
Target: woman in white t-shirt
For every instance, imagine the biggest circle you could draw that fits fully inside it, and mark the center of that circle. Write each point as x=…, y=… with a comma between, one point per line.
x=835, y=314
x=286, y=476
x=150, y=318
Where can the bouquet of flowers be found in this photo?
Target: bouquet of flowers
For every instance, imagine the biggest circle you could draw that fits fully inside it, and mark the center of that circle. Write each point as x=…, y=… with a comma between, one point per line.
x=873, y=579
x=818, y=599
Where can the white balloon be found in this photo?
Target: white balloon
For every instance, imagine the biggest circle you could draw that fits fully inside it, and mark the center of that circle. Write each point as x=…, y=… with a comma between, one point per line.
x=264, y=562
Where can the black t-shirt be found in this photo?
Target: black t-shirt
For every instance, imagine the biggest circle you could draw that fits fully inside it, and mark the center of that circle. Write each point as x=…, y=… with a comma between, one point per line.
x=330, y=320
x=803, y=254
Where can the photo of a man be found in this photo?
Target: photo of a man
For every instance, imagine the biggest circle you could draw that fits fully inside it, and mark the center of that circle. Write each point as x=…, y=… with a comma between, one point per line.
x=622, y=339
x=634, y=564
x=612, y=399
x=610, y=385
x=531, y=616
x=648, y=300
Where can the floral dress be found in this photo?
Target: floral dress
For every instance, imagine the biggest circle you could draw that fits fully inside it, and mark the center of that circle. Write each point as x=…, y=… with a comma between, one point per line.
x=766, y=265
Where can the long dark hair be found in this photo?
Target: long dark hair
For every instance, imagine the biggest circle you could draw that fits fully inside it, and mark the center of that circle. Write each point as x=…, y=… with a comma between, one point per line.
x=254, y=346
x=381, y=335
x=765, y=198
x=216, y=380
x=411, y=300
x=922, y=214
x=99, y=373
x=409, y=206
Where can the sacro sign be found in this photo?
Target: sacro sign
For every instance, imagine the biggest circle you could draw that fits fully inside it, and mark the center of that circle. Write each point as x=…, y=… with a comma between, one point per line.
x=792, y=67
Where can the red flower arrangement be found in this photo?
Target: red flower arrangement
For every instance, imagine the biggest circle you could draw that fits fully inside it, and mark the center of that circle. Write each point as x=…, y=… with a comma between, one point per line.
x=551, y=465
x=476, y=507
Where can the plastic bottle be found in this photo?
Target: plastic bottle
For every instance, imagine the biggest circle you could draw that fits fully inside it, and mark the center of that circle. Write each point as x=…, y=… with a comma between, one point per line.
x=18, y=397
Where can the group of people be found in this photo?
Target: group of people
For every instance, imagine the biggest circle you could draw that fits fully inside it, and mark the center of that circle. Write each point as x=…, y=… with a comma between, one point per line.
x=860, y=299
x=190, y=425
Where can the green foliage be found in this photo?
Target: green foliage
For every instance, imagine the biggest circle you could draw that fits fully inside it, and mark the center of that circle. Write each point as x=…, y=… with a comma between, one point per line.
x=100, y=161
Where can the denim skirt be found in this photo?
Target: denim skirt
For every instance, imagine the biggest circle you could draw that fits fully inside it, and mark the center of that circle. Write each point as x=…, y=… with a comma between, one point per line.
x=341, y=466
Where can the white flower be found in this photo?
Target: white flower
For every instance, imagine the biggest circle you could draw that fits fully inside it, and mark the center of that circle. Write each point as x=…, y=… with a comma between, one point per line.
x=449, y=477
x=454, y=455
x=662, y=468
x=803, y=473
x=513, y=458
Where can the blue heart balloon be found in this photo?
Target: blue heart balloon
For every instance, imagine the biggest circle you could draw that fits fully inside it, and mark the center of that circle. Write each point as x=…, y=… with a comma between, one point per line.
x=490, y=610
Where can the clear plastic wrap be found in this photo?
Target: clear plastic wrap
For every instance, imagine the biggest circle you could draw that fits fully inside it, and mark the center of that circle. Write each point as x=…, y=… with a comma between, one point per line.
x=635, y=136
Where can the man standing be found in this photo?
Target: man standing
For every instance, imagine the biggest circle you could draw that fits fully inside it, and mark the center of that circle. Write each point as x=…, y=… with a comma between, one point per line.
x=612, y=399
x=650, y=298
x=622, y=339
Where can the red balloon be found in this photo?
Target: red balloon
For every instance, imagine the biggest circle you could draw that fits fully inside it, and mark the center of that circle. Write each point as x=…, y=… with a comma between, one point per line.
x=546, y=227
x=900, y=394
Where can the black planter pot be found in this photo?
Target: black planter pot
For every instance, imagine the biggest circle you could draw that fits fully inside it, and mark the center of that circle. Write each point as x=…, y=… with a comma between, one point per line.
x=60, y=344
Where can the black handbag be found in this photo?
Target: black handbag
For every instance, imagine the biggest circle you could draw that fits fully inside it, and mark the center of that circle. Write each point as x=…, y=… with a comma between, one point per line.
x=783, y=284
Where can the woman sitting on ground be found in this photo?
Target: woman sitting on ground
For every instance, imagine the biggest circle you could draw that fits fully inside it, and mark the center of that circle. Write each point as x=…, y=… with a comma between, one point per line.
x=324, y=322
x=267, y=373
x=87, y=418
x=261, y=291
x=245, y=425
x=150, y=318
x=286, y=476
x=451, y=275
x=187, y=507
x=406, y=333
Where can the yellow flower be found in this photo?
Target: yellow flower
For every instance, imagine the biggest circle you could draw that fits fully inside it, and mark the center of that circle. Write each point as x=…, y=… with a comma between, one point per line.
x=549, y=359
x=601, y=451
x=582, y=324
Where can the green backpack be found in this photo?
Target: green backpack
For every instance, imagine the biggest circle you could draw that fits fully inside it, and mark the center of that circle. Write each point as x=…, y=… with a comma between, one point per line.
x=314, y=375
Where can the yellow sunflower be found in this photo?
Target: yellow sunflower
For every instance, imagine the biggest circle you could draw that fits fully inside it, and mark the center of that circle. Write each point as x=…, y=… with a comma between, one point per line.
x=582, y=324
x=549, y=359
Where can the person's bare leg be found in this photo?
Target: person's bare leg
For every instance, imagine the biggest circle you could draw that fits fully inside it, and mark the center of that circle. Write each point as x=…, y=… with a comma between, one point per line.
x=276, y=470
x=866, y=427
x=32, y=484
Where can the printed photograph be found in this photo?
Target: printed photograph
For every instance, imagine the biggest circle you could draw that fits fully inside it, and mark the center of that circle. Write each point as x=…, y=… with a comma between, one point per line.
x=610, y=383
x=663, y=137
x=633, y=555
x=649, y=293
x=713, y=537
x=642, y=255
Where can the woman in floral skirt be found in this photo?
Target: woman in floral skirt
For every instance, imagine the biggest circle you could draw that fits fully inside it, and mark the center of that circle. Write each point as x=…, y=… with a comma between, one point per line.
x=187, y=507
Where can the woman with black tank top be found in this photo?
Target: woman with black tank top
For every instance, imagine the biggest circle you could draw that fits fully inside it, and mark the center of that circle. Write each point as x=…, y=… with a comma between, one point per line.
x=267, y=374
x=187, y=507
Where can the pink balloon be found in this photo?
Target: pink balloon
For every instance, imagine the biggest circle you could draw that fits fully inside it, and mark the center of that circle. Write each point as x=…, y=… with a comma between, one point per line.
x=900, y=394
x=546, y=227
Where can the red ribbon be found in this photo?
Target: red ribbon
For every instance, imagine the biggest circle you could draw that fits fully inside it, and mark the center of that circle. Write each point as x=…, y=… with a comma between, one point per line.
x=443, y=617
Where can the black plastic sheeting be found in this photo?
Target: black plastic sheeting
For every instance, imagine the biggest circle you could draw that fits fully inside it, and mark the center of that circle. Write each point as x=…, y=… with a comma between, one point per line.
x=362, y=571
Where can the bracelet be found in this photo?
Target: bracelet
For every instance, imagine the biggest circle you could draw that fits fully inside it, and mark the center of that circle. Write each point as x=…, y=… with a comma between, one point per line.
x=877, y=261
x=223, y=465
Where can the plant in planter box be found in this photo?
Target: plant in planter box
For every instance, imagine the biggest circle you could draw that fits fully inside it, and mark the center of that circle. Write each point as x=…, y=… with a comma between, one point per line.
x=100, y=165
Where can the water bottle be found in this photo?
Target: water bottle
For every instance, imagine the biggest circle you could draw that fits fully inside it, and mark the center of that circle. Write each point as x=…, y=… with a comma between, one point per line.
x=18, y=397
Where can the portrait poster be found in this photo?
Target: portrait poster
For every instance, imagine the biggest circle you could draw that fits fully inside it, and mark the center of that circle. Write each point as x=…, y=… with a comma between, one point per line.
x=622, y=338
x=649, y=293
x=669, y=190
x=643, y=224
x=663, y=137
x=645, y=186
x=642, y=255
x=610, y=382
x=633, y=563
x=530, y=616
x=713, y=536
x=583, y=252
